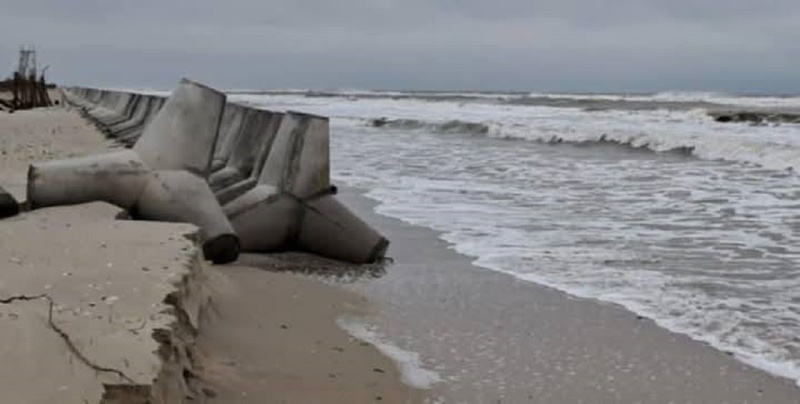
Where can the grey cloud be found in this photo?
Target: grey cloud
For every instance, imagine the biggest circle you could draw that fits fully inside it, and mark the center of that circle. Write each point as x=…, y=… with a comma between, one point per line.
x=572, y=45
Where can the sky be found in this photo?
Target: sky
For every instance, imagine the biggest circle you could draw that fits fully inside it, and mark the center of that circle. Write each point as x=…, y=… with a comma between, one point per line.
x=750, y=46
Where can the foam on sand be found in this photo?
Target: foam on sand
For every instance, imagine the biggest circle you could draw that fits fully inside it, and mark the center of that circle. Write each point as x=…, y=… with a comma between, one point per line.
x=409, y=364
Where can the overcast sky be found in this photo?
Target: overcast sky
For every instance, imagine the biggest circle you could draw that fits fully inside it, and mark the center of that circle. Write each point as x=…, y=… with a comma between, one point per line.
x=526, y=45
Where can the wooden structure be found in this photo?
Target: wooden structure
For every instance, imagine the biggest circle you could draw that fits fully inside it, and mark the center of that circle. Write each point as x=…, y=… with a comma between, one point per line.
x=27, y=89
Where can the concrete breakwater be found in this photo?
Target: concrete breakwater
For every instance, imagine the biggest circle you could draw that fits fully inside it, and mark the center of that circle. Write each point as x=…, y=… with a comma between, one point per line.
x=250, y=179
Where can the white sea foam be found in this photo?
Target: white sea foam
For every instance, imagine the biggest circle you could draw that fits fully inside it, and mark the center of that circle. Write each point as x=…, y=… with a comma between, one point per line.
x=775, y=147
x=706, y=248
x=763, y=335
x=411, y=368
x=685, y=96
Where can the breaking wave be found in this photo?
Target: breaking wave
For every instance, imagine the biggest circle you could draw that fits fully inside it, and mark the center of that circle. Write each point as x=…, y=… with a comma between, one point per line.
x=746, y=149
x=452, y=126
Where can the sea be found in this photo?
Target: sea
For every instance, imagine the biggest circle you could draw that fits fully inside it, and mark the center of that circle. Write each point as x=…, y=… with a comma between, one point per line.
x=642, y=200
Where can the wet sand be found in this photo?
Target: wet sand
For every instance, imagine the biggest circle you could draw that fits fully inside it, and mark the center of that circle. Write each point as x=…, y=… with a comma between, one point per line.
x=494, y=338
x=272, y=337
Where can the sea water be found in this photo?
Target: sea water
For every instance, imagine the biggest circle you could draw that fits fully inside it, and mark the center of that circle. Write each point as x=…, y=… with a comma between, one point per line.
x=657, y=207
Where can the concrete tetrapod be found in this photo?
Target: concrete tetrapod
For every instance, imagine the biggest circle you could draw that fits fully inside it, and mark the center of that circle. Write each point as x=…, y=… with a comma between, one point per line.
x=114, y=110
x=183, y=135
x=75, y=97
x=8, y=205
x=102, y=116
x=116, y=178
x=131, y=134
x=124, y=115
x=122, y=179
x=256, y=133
x=162, y=180
x=271, y=122
x=180, y=196
x=293, y=206
x=230, y=127
x=136, y=118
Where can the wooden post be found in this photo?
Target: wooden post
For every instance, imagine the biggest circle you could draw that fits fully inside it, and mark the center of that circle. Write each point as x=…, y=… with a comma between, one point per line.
x=46, y=101
x=15, y=90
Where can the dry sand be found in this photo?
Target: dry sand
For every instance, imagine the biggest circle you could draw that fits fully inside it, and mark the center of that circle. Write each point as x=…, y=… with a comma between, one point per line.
x=268, y=337
x=42, y=134
x=84, y=294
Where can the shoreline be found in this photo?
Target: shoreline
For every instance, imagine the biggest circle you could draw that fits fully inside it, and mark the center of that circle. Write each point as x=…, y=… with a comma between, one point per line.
x=344, y=333
x=782, y=370
x=535, y=340
x=273, y=336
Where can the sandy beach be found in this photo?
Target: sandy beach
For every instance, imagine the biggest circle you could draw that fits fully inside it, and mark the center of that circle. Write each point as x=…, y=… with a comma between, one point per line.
x=425, y=202
x=269, y=328
x=122, y=291
x=273, y=337
x=86, y=312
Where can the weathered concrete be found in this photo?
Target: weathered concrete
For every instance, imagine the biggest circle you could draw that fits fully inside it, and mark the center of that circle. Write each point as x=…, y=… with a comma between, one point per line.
x=95, y=96
x=264, y=219
x=270, y=121
x=136, y=118
x=230, y=127
x=103, y=98
x=228, y=194
x=299, y=162
x=162, y=178
x=292, y=207
x=324, y=224
x=269, y=171
x=183, y=134
x=256, y=134
x=114, y=110
x=125, y=114
x=117, y=178
x=180, y=196
x=8, y=205
x=130, y=135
